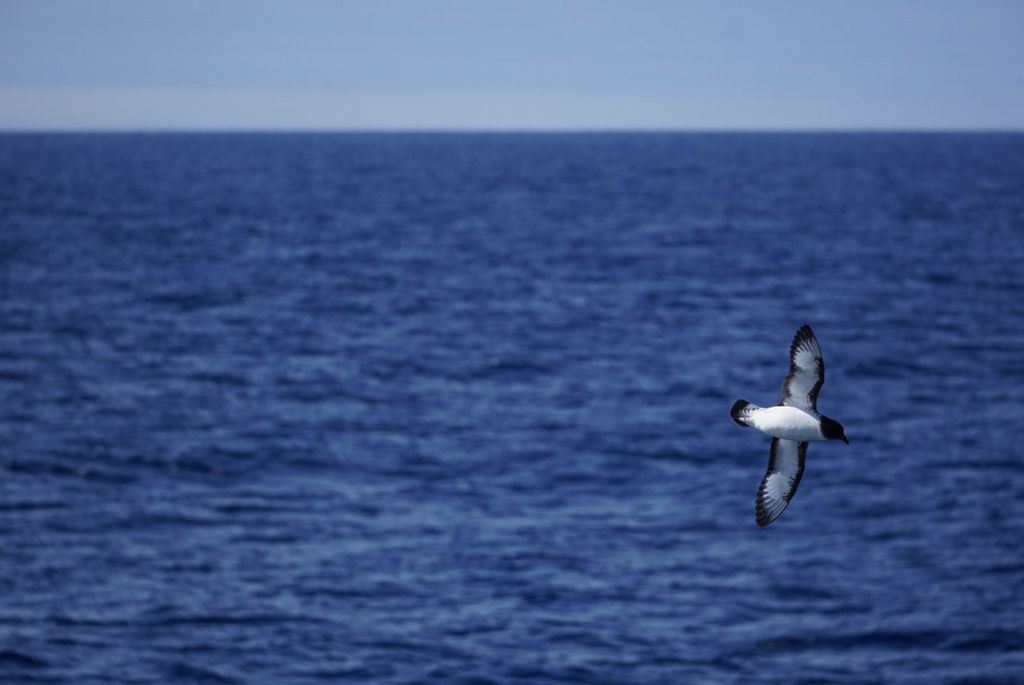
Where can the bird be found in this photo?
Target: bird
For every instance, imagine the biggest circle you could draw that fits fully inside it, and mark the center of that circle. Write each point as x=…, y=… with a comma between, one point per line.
x=792, y=425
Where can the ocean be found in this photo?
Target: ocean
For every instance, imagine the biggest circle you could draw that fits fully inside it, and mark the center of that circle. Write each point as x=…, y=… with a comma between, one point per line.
x=454, y=408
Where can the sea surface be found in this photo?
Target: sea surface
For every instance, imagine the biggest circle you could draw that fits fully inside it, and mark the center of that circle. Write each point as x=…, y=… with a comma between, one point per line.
x=432, y=408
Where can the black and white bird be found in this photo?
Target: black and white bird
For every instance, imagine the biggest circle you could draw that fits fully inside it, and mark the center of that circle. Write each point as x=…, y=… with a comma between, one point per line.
x=793, y=423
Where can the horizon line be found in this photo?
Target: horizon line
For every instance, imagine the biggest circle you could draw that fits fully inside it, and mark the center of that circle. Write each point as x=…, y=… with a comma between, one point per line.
x=468, y=130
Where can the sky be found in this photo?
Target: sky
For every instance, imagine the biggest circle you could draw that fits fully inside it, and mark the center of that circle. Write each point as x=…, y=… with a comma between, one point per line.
x=515, y=64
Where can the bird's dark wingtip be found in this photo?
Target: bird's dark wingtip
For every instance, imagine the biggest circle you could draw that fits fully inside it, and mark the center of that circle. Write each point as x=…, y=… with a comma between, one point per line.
x=805, y=332
x=737, y=410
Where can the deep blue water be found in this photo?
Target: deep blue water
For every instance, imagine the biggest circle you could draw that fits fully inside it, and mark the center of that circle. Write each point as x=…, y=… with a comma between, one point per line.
x=454, y=408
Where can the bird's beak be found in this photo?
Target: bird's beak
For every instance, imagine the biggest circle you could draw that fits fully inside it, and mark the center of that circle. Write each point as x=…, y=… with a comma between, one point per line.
x=846, y=440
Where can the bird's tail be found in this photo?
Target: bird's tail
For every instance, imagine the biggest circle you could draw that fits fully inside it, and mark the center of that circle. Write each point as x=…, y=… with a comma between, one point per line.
x=741, y=412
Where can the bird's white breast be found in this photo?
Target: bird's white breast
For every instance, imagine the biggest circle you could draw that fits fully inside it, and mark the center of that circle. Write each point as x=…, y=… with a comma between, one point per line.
x=789, y=423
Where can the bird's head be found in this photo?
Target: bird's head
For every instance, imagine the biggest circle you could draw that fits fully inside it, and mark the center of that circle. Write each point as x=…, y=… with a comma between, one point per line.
x=833, y=430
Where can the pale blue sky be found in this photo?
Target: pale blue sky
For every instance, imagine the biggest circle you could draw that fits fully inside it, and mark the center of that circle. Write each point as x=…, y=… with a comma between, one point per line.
x=524, y=64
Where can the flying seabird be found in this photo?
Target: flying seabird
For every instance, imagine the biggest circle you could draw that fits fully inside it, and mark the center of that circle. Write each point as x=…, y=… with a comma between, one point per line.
x=793, y=423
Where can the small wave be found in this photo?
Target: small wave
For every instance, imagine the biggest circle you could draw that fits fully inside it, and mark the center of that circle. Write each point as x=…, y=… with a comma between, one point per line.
x=14, y=376
x=181, y=671
x=801, y=592
x=231, y=620
x=570, y=674
x=879, y=639
x=509, y=370
x=50, y=468
x=266, y=539
x=12, y=657
x=31, y=506
x=220, y=378
x=193, y=301
x=989, y=641
x=358, y=673
x=232, y=508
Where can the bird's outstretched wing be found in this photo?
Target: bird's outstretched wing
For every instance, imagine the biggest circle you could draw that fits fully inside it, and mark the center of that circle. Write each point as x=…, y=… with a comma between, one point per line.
x=785, y=467
x=806, y=372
